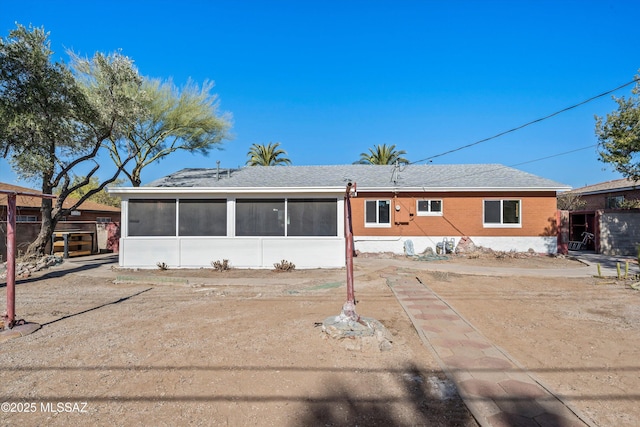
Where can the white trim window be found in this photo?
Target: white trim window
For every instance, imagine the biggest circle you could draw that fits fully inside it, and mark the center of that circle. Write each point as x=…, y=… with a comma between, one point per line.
x=26, y=218
x=103, y=219
x=429, y=207
x=504, y=213
x=377, y=213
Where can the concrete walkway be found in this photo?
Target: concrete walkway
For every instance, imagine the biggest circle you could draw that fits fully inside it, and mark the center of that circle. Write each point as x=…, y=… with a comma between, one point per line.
x=497, y=391
x=495, y=387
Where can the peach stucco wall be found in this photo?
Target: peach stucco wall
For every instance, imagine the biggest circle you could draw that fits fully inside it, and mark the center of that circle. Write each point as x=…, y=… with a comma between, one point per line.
x=462, y=215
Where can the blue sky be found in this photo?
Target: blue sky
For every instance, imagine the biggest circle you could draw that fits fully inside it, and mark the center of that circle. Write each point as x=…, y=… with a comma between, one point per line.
x=330, y=79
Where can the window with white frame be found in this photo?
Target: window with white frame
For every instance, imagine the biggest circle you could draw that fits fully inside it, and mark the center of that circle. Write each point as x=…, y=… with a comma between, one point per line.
x=377, y=213
x=103, y=219
x=502, y=213
x=429, y=207
x=26, y=218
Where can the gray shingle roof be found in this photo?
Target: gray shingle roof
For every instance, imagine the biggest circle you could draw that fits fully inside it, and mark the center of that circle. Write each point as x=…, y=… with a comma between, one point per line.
x=461, y=177
x=608, y=186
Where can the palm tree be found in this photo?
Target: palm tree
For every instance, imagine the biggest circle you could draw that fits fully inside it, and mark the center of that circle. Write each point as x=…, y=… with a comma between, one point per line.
x=267, y=155
x=382, y=155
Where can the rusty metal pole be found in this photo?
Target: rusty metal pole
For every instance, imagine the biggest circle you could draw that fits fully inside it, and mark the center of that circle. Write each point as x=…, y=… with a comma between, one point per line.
x=10, y=317
x=349, y=307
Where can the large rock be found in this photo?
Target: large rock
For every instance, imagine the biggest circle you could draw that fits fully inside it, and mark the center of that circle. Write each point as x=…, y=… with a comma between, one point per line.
x=366, y=333
x=465, y=246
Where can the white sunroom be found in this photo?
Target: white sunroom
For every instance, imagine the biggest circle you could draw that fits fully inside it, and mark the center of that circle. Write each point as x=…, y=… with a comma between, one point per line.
x=252, y=228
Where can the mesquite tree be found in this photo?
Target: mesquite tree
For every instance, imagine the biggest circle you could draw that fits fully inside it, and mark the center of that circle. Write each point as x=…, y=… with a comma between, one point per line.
x=55, y=118
x=175, y=119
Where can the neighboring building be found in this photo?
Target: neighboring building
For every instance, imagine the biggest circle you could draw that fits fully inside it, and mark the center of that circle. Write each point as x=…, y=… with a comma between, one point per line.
x=28, y=208
x=90, y=217
x=616, y=230
x=257, y=216
x=609, y=194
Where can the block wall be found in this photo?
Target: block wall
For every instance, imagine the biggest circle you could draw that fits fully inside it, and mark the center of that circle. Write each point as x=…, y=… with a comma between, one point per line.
x=620, y=232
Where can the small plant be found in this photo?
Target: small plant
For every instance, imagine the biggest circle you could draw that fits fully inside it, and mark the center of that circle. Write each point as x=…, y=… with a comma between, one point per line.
x=284, y=265
x=221, y=266
x=626, y=270
x=162, y=266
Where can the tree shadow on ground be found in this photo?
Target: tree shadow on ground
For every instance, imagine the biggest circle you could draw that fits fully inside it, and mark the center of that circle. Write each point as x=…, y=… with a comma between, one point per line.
x=418, y=404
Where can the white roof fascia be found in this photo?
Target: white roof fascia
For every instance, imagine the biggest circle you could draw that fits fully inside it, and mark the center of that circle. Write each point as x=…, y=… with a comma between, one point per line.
x=315, y=190
x=222, y=190
x=456, y=189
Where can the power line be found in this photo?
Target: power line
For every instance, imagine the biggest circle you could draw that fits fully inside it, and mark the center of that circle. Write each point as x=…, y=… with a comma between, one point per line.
x=554, y=155
x=529, y=123
x=500, y=167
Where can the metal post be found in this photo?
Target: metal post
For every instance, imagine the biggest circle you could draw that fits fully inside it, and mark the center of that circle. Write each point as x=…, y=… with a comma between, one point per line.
x=349, y=307
x=65, y=236
x=10, y=317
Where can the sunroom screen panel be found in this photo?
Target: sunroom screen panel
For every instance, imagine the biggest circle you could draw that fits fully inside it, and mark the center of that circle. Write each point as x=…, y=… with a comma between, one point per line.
x=152, y=217
x=203, y=217
x=312, y=217
x=260, y=217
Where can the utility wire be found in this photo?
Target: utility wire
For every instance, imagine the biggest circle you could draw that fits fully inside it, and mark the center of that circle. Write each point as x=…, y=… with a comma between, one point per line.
x=635, y=80
x=554, y=155
x=500, y=167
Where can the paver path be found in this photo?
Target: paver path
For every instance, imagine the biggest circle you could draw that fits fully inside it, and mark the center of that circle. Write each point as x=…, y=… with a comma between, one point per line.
x=497, y=391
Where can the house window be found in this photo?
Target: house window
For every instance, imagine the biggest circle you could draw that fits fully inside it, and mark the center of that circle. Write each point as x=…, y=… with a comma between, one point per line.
x=26, y=218
x=429, y=207
x=377, y=213
x=202, y=217
x=312, y=217
x=614, y=202
x=152, y=218
x=103, y=219
x=502, y=213
x=260, y=217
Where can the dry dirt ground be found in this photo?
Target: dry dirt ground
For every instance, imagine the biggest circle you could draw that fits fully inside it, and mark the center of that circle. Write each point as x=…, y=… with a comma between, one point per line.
x=238, y=348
